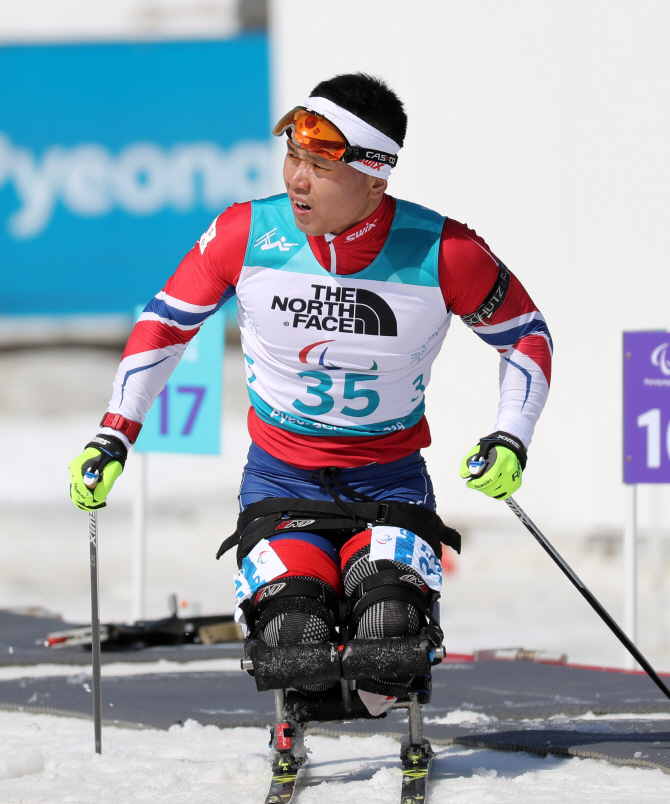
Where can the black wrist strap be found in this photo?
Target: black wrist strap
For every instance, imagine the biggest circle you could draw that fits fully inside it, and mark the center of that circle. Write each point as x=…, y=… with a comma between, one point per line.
x=111, y=447
x=503, y=439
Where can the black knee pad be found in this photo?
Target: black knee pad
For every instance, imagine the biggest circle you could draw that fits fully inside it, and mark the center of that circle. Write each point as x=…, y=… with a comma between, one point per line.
x=386, y=599
x=295, y=619
x=296, y=610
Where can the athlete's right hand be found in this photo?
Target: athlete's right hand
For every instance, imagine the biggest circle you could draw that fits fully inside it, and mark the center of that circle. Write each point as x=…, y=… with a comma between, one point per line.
x=104, y=456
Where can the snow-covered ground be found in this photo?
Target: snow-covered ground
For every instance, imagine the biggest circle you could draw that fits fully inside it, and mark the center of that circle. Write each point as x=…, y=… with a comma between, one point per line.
x=48, y=759
x=505, y=592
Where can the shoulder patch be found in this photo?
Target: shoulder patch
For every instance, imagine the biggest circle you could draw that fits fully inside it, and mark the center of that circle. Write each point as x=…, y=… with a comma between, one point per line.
x=209, y=235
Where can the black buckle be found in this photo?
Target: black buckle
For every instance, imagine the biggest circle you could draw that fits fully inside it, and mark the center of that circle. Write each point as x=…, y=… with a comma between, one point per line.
x=385, y=508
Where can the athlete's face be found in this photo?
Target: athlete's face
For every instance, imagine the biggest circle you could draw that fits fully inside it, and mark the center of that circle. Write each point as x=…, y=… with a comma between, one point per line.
x=328, y=197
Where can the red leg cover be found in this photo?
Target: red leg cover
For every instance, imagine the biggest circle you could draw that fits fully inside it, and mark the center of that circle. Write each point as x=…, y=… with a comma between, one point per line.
x=305, y=559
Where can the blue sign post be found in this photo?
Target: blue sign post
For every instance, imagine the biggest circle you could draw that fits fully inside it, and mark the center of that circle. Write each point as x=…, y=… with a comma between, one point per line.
x=646, y=441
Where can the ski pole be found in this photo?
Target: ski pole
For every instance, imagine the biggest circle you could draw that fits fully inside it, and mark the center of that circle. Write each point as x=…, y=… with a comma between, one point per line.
x=621, y=636
x=91, y=480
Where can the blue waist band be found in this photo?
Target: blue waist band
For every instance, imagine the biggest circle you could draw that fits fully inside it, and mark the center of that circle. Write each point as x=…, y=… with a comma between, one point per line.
x=406, y=480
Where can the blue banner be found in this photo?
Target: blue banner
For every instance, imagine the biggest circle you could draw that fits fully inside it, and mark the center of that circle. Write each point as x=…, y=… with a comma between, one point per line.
x=115, y=158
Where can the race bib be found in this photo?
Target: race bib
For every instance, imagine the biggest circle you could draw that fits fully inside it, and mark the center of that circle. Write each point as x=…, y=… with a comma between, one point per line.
x=400, y=544
x=258, y=568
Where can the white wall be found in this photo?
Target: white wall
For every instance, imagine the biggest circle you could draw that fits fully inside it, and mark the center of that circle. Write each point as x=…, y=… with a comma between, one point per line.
x=29, y=21
x=546, y=127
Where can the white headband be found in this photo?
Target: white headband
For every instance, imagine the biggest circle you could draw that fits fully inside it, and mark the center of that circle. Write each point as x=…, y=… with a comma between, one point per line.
x=357, y=132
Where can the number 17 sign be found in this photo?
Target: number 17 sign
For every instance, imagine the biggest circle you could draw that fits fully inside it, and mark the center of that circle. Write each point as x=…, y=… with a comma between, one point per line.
x=186, y=416
x=646, y=407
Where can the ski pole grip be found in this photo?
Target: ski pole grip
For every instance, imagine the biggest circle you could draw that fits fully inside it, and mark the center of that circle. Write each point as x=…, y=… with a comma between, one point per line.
x=91, y=479
x=476, y=465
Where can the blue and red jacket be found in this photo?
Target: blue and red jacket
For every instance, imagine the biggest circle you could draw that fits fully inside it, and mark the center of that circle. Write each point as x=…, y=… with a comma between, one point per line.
x=467, y=271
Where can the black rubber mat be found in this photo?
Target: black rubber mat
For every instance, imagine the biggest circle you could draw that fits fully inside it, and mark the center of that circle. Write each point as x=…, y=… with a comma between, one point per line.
x=505, y=690
x=523, y=689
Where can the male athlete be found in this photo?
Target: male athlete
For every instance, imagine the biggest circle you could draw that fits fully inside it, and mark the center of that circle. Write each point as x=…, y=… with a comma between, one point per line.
x=345, y=295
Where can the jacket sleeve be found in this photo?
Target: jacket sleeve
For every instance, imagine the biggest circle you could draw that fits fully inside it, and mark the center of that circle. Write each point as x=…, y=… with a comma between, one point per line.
x=205, y=279
x=470, y=274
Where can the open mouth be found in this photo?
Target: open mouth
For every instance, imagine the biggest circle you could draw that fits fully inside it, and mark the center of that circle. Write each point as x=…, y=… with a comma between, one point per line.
x=302, y=206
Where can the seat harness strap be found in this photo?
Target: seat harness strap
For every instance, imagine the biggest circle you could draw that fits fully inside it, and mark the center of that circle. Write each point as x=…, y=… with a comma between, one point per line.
x=278, y=515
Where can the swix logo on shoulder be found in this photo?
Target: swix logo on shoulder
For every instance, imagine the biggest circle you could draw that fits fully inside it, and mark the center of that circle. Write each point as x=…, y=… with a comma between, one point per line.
x=266, y=242
x=339, y=309
x=286, y=524
x=361, y=232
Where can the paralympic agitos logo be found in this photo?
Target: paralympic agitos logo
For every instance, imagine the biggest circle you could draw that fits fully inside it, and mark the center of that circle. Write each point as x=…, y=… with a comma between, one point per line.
x=339, y=309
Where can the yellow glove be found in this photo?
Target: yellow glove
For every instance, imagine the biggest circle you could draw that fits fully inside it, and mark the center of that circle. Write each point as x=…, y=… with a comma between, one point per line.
x=92, y=474
x=495, y=465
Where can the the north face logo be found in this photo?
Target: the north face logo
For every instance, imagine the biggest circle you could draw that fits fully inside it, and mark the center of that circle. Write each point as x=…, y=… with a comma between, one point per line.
x=340, y=309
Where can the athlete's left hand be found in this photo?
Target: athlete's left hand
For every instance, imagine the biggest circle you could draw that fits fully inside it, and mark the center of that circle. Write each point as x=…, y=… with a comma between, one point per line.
x=495, y=465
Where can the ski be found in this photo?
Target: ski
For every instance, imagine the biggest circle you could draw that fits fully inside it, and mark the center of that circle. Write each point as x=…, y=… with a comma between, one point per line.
x=285, y=775
x=416, y=764
x=288, y=758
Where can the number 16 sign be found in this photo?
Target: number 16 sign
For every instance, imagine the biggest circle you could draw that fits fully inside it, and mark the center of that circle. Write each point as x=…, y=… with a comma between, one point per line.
x=646, y=407
x=186, y=416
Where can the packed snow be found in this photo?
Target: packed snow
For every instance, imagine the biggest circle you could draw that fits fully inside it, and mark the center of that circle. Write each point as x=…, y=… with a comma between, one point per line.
x=504, y=592
x=46, y=759
x=116, y=669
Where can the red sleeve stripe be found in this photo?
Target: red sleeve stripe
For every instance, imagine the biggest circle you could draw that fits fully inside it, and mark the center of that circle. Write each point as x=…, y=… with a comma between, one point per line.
x=537, y=348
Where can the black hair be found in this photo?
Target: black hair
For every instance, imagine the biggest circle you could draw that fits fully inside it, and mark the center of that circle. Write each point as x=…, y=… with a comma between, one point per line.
x=369, y=98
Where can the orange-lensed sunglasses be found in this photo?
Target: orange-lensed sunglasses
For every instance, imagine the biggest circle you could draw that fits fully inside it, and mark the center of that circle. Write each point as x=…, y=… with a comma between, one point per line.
x=317, y=134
